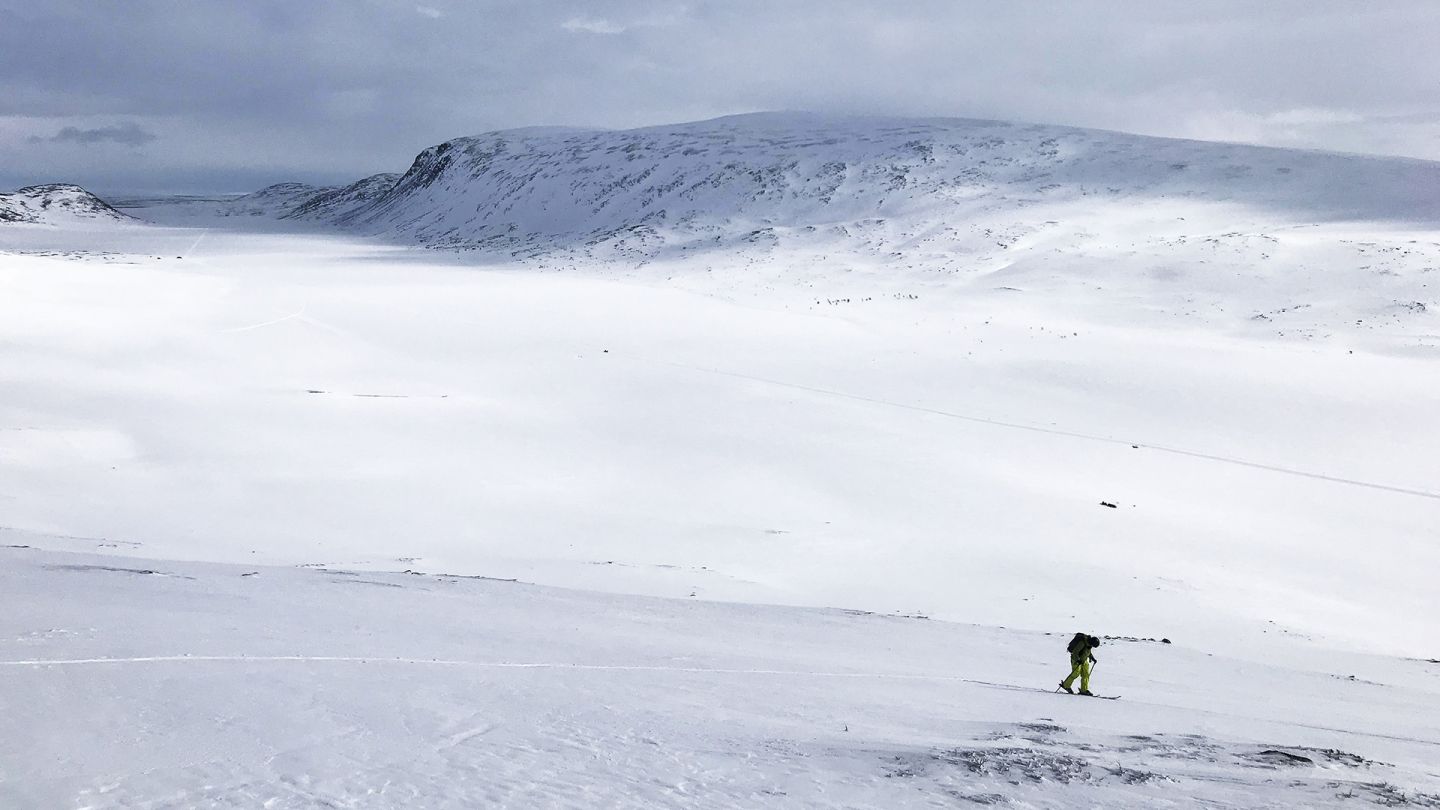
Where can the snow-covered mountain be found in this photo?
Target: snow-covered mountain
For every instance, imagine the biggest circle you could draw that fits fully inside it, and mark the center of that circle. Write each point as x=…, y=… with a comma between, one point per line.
x=1298, y=241
x=306, y=202
x=274, y=201
x=862, y=183
x=1291, y=241
x=55, y=203
x=335, y=203
x=300, y=202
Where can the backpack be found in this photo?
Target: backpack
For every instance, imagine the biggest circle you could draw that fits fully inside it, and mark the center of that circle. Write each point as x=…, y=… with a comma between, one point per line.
x=1077, y=643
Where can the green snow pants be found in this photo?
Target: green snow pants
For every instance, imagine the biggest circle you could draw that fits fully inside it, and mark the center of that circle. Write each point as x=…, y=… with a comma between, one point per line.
x=1079, y=669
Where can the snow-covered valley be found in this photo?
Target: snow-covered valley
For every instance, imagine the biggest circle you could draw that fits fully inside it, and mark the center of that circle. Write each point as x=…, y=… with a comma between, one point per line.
x=794, y=479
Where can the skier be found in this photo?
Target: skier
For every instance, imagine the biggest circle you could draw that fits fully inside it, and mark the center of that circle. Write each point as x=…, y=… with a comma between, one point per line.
x=1081, y=658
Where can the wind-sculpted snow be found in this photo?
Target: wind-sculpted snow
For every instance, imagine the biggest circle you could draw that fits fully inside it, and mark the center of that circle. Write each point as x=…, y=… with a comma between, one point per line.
x=860, y=185
x=55, y=204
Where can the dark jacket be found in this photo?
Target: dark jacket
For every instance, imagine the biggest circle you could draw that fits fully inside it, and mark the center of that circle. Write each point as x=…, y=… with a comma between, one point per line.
x=1082, y=647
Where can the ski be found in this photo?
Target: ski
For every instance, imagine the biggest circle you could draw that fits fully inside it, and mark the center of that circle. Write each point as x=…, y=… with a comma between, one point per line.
x=1077, y=694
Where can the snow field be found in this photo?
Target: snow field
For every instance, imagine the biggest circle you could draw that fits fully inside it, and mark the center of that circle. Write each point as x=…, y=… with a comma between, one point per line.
x=294, y=399
x=189, y=684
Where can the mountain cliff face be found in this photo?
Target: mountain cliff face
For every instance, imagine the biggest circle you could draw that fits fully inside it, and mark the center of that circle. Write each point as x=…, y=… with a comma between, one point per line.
x=55, y=203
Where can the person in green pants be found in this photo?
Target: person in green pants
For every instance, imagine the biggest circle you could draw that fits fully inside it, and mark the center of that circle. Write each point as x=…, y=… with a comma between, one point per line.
x=1081, y=657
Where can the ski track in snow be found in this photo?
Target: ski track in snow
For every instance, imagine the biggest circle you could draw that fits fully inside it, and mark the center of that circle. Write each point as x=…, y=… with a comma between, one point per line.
x=296, y=314
x=882, y=676
x=478, y=664
x=190, y=251
x=984, y=420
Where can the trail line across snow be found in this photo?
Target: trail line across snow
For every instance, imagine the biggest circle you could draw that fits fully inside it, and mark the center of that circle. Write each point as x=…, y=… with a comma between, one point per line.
x=190, y=250
x=985, y=420
x=351, y=659
x=480, y=664
x=299, y=313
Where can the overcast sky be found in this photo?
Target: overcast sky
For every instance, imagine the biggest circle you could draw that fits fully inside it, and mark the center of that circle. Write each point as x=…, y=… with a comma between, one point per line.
x=193, y=95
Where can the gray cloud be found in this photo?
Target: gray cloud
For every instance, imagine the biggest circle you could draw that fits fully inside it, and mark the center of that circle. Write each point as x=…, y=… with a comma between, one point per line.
x=592, y=25
x=332, y=90
x=129, y=134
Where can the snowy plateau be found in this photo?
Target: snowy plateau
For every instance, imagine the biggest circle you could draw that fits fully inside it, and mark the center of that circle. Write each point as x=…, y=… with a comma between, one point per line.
x=767, y=461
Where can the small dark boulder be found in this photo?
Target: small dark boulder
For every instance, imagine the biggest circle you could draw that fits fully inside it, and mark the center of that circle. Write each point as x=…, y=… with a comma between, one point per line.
x=1274, y=756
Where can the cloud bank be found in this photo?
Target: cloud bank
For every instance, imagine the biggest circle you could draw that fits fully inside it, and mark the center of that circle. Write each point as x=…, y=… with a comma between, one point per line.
x=128, y=134
x=242, y=94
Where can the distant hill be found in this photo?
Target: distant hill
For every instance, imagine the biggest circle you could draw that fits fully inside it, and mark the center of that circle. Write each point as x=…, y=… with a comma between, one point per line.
x=869, y=184
x=1294, y=240
x=334, y=203
x=55, y=204
x=273, y=201
x=290, y=201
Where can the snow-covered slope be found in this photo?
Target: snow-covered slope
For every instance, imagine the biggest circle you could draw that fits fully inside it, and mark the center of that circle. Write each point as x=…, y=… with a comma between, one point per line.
x=928, y=185
x=335, y=203
x=1270, y=240
x=294, y=203
x=259, y=208
x=56, y=204
x=275, y=200
x=1260, y=240
x=145, y=683
x=314, y=398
